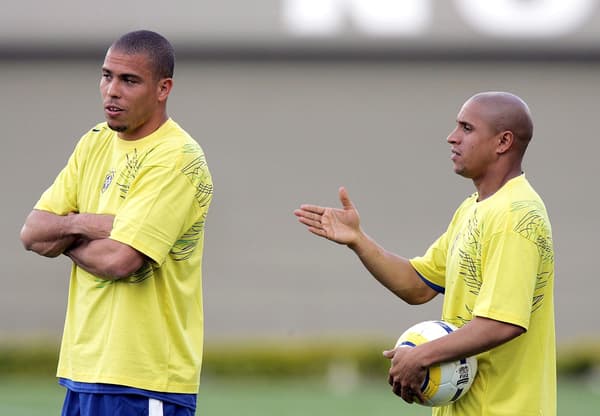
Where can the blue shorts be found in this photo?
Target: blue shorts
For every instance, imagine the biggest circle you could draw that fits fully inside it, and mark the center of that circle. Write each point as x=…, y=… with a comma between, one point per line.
x=103, y=404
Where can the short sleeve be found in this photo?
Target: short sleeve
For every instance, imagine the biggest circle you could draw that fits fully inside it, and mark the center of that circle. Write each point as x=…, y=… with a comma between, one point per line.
x=432, y=265
x=61, y=197
x=509, y=263
x=158, y=208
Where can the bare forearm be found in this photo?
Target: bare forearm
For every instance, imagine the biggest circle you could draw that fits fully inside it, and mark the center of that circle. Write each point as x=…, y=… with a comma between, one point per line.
x=479, y=335
x=47, y=234
x=106, y=258
x=409, y=365
x=50, y=234
x=392, y=271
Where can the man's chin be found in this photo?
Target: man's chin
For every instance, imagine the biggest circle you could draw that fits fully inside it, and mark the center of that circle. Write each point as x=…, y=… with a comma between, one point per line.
x=117, y=128
x=459, y=170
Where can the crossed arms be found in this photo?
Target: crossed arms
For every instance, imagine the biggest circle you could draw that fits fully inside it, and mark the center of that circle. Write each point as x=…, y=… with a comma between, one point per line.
x=84, y=238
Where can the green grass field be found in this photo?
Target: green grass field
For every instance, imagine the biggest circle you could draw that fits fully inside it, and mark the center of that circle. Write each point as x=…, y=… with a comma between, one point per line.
x=22, y=396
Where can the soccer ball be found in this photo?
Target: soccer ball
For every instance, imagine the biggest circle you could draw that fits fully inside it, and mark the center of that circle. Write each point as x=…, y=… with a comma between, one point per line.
x=447, y=382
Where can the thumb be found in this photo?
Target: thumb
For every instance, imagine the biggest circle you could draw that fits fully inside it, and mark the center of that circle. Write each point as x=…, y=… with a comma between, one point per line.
x=389, y=353
x=345, y=199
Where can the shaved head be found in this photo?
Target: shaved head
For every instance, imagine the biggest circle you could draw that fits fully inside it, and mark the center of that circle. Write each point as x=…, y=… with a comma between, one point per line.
x=505, y=111
x=155, y=46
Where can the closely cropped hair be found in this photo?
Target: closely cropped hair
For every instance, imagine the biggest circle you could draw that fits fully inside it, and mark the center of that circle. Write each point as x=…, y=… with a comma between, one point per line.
x=155, y=46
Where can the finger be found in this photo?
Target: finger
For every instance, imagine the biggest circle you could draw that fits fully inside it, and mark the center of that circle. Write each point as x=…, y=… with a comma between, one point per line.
x=304, y=216
x=420, y=396
x=311, y=222
x=302, y=213
x=345, y=198
x=397, y=389
x=312, y=208
x=389, y=353
x=307, y=214
x=318, y=231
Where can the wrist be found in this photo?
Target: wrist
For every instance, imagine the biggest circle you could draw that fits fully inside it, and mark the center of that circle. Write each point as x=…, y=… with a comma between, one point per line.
x=71, y=225
x=423, y=357
x=359, y=243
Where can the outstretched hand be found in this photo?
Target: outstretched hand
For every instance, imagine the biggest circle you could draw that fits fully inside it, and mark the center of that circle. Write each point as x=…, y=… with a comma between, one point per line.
x=341, y=225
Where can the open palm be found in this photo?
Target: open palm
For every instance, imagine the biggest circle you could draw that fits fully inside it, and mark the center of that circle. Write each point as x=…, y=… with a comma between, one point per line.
x=340, y=225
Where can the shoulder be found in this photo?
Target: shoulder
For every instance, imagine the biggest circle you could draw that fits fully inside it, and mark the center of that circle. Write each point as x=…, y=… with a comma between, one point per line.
x=98, y=135
x=530, y=219
x=524, y=203
x=519, y=209
x=99, y=132
x=177, y=148
x=466, y=206
x=468, y=202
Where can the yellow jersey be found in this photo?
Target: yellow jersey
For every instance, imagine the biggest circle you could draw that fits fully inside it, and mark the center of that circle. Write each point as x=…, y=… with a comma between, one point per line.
x=496, y=260
x=144, y=331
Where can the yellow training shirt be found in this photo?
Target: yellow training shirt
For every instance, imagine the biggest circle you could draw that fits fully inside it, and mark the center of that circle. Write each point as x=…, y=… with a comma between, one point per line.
x=496, y=260
x=144, y=331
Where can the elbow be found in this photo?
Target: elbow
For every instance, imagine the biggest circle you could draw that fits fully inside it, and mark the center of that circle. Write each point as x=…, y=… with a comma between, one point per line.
x=43, y=249
x=26, y=239
x=495, y=332
x=416, y=300
x=124, y=266
x=505, y=332
x=515, y=331
x=417, y=296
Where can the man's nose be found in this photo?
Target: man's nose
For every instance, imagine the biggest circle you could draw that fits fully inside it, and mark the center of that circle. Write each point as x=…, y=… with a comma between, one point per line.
x=452, y=137
x=112, y=89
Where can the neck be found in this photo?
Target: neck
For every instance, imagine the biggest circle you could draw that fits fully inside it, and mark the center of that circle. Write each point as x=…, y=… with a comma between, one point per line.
x=489, y=185
x=146, y=129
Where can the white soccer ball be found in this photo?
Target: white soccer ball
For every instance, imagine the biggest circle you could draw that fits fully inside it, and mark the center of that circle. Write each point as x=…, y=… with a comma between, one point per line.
x=447, y=382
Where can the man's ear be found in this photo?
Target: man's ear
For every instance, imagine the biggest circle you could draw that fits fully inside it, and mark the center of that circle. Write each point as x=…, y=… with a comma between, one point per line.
x=165, y=86
x=505, y=141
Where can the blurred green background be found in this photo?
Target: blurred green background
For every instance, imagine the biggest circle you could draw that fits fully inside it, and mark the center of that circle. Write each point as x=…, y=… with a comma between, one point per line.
x=40, y=397
x=337, y=377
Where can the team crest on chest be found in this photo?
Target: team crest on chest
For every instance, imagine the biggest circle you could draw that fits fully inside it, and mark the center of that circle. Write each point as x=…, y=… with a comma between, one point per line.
x=108, y=180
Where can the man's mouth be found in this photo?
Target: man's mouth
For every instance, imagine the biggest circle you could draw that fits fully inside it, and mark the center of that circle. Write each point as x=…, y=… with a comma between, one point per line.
x=112, y=110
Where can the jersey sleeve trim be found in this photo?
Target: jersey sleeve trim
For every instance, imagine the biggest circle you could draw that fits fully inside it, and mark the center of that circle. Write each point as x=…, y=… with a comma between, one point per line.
x=432, y=285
